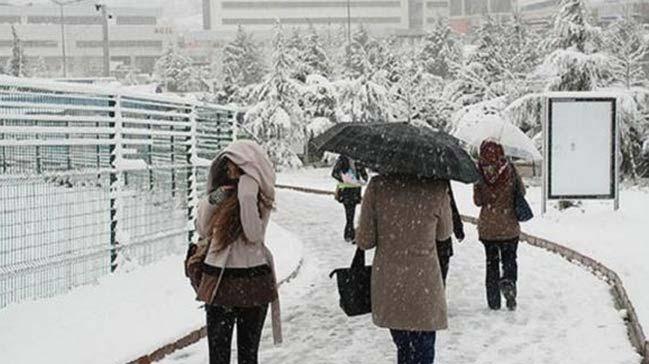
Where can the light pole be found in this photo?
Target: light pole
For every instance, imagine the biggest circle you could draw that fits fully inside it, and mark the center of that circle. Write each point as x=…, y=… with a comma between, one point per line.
x=105, y=16
x=61, y=4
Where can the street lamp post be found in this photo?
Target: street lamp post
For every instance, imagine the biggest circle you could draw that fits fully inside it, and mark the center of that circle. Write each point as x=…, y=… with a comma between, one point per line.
x=61, y=4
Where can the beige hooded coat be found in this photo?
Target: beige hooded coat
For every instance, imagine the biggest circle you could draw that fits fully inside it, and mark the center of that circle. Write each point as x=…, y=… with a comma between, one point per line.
x=402, y=217
x=257, y=181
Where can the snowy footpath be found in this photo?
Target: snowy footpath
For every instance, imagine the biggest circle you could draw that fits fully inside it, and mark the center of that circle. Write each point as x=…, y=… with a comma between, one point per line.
x=123, y=316
x=565, y=314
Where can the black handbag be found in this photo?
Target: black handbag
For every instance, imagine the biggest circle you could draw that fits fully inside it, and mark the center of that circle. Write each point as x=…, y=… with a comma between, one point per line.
x=521, y=207
x=354, y=286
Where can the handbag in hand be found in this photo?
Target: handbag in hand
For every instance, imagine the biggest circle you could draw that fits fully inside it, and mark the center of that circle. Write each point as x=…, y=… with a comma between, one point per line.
x=354, y=286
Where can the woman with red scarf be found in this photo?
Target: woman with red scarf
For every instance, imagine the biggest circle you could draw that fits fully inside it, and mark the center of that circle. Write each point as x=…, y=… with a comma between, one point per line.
x=498, y=227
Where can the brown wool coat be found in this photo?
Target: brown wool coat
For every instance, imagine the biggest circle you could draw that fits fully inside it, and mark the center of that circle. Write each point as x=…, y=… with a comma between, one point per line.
x=402, y=217
x=497, y=219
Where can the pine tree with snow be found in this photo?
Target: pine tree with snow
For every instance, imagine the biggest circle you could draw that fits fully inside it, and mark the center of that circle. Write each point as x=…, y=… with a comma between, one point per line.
x=625, y=42
x=276, y=119
x=439, y=49
x=39, y=68
x=480, y=76
x=296, y=45
x=571, y=27
x=314, y=56
x=574, y=65
x=17, y=63
x=242, y=64
x=173, y=70
x=364, y=54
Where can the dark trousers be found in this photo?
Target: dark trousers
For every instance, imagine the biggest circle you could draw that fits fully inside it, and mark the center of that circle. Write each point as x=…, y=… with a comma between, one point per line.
x=220, y=323
x=414, y=347
x=350, y=212
x=444, y=254
x=497, y=252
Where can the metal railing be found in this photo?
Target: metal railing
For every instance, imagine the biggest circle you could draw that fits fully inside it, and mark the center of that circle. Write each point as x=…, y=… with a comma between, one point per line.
x=93, y=178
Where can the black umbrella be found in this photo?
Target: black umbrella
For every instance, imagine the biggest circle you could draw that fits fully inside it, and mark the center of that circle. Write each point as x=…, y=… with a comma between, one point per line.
x=401, y=148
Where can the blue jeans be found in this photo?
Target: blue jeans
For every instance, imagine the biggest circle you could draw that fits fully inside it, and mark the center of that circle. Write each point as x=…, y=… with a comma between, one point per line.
x=414, y=347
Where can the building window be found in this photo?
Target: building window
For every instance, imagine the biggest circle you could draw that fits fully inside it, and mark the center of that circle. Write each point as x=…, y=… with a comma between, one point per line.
x=328, y=20
x=473, y=7
x=501, y=6
x=73, y=20
x=456, y=7
x=31, y=43
x=539, y=5
x=120, y=43
x=437, y=4
x=207, y=14
x=252, y=5
x=136, y=20
x=9, y=19
x=416, y=14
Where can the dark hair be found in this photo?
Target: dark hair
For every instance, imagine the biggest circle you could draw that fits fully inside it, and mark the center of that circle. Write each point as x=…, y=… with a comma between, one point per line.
x=226, y=222
x=220, y=174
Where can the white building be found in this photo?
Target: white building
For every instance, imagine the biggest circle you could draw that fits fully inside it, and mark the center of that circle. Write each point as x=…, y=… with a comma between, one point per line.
x=135, y=36
x=385, y=16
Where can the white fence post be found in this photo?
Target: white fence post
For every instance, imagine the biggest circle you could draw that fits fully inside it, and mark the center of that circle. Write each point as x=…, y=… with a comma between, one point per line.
x=192, y=159
x=116, y=179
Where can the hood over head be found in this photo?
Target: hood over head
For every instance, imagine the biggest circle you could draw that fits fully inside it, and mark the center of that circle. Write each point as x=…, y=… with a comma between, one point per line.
x=253, y=161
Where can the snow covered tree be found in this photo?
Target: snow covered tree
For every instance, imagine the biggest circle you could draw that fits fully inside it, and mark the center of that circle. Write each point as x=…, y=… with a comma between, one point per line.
x=314, y=56
x=574, y=65
x=39, y=68
x=17, y=64
x=571, y=27
x=439, y=49
x=319, y=98
x=242, y=64
x=364, y=99
x=366, y=54
x=173, y=70
x=625, y=42
x=295, y=46
x=276, y=119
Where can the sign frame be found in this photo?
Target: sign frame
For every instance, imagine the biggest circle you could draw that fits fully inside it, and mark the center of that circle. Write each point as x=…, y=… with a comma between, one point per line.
x=557, y=97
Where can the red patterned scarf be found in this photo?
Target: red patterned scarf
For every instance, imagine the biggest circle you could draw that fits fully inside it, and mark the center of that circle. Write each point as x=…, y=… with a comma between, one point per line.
x=493, y=164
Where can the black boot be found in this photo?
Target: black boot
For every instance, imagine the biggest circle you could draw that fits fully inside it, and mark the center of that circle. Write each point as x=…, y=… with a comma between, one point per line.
x=508, y=288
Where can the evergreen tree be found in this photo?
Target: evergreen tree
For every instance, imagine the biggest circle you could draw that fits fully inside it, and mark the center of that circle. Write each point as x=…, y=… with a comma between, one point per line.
x=440, y=49
x=575, y=65
x=276, y=119
x=571, y=27
x=242, y=65
x=173, y=69
x=296, y=45
x=17, y=64
x=365, y=54
x=625, y=42
x=314, y=56
x=39, y=68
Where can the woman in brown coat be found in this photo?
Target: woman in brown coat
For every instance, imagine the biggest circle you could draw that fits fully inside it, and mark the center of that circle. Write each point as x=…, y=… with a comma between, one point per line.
x=498, y=227
x=402, y=217
x=238, y=280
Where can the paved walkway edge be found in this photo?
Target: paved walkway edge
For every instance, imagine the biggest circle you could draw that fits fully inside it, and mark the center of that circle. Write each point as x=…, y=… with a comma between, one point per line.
x=636, y=333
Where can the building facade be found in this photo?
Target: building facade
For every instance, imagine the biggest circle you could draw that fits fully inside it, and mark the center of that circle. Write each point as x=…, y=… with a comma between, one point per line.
x=383, y=16
x=136, y=37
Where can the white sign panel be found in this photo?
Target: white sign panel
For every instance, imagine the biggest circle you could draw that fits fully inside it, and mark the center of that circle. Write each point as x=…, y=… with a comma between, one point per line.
x=581, y=148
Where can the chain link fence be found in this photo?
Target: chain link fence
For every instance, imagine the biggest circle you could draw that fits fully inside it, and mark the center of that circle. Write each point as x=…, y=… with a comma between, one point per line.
x=93, y=178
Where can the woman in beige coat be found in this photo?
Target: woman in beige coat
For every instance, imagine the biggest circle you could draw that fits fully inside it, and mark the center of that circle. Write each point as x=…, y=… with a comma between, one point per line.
x=403, y=217
x=238, y=281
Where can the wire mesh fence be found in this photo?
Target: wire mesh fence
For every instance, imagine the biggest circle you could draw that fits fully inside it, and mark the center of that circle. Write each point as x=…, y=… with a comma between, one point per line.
x=93, y=178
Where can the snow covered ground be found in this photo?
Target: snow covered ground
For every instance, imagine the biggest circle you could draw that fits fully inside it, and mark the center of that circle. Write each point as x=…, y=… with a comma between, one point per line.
x=616, y=239
x=123, y=316
x=565, y=314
